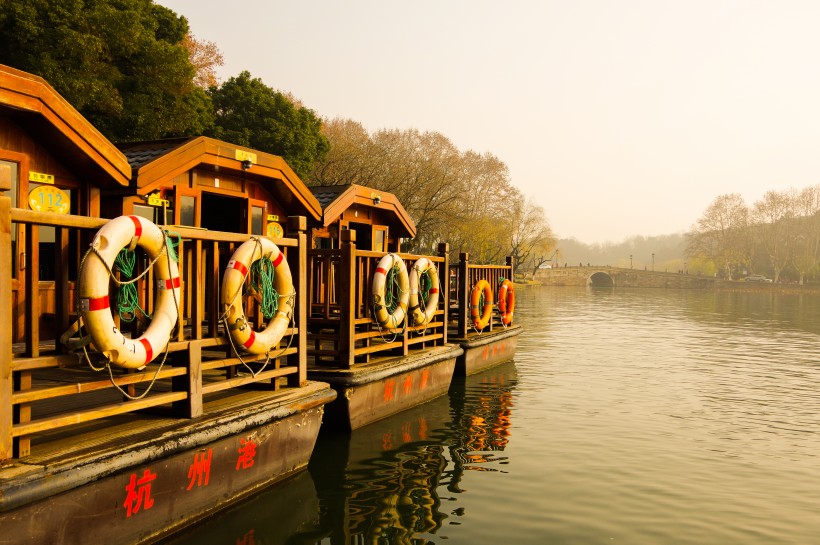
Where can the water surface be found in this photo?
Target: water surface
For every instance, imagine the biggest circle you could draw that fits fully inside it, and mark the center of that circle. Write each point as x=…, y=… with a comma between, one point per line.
x=628, y=416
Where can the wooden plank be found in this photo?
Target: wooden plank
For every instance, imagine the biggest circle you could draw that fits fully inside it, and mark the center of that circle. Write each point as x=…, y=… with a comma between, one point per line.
x=61, y=284
x=378, y=348
x=22, y=414
x=44, y=424
x=246, y=379
x=32, y=280
x=39, y=394
x=6, y=384
x=210, y=365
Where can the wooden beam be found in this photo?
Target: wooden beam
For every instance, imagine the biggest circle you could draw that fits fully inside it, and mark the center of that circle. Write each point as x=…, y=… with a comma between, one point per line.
x=6, y=384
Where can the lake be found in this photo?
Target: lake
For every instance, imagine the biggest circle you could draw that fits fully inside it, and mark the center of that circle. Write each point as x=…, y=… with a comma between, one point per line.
x=628, y=416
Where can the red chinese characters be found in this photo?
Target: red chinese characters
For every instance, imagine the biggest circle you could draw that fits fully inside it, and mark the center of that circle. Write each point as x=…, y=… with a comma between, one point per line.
x=199, y=472
x=247, y=453
x=138, y=493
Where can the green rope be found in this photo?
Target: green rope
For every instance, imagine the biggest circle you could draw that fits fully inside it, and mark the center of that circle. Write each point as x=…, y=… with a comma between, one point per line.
x=262, y=273
x=127, y=299
x=392, y=291
x=172, y=246
x=425, y=284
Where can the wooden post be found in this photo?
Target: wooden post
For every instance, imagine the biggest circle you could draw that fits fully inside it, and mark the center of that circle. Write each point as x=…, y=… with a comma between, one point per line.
x=463, y=293
x=32, y=280
x=61, y=287
x=191, y=383
x=347, y=299
x=196, y=285
x=297, y=228
x=6, y=314
x=444, y=286
x=510, y=265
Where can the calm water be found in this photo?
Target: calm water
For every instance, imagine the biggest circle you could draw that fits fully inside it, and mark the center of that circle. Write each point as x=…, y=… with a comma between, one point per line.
x=639, y=417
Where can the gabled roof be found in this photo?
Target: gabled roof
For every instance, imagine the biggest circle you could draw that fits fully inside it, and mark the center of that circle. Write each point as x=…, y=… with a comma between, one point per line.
x=157, y=163
x=335, y=199
x=55, y=124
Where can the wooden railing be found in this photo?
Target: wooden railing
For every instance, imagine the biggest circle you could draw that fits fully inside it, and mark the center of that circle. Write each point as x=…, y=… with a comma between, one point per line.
x=342, y=330
x=46, y=385
x=463, y=277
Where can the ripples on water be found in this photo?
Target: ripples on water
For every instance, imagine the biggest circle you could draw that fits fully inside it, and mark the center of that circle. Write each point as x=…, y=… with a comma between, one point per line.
x=628, y=416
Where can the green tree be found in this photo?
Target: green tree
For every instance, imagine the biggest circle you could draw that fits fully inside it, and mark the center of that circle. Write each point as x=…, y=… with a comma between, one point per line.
x=249, y=113
x=123, y=65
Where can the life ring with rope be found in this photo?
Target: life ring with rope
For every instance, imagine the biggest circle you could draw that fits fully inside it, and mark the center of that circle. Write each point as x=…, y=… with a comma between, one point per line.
x=94, y=306
x=232, y=304
x=421, y=267
x=383, y=296
x=481, y=289
x=506, y=301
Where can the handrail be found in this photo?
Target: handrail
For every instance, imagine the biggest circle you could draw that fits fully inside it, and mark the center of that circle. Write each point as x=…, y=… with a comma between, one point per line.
x=42, y=374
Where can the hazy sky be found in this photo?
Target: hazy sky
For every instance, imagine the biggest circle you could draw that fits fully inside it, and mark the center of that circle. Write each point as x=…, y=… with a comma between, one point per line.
x=617, y=117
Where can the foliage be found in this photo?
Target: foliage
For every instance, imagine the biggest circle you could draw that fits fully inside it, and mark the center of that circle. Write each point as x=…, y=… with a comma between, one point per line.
x=249, y=113
x=779, y=234
x=464, y=198
x=123, y=65
x=206, y=58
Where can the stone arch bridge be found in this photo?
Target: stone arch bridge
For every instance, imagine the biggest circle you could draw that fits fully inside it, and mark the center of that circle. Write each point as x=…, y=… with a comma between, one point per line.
x=622, y=278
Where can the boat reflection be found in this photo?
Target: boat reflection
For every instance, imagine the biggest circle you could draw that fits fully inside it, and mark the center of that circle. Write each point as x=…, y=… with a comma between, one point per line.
x=383, y=483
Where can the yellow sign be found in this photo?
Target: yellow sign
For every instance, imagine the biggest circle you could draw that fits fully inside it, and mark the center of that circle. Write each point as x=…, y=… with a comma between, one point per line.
x=245, y=155
x=273, y=217
x=154, y=200
x=275, y=230
x=40, y=178
x=48, y=198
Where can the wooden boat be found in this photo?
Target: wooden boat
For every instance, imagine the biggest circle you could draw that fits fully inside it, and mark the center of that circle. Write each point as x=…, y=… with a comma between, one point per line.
x=89, y=450
x=497, y=341
x=377, y=369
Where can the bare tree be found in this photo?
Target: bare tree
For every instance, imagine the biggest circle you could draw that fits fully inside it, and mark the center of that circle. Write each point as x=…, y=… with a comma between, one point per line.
x=721, y=235
x=774, y=229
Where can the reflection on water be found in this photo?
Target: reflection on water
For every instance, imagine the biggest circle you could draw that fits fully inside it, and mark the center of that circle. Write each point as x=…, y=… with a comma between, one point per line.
x=388, y=482
x=628, y=416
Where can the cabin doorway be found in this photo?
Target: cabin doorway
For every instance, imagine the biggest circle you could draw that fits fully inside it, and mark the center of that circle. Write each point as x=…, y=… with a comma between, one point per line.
x=364, y=235
x=223, y=213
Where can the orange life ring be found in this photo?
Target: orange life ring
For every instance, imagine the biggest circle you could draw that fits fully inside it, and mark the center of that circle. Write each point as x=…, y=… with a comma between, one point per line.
x=383, y=317
x=422, y=316
x=119, y=233
x=233, y=311
x=506, y=301
x=482, y=287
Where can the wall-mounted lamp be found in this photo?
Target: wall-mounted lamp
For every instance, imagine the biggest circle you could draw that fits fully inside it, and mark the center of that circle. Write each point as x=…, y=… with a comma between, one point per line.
x=247, y=164
x=376, y=200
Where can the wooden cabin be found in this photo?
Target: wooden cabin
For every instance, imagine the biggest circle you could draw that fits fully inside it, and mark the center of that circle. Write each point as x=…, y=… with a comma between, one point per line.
x=362, y=357
x=52, y=161
x=377, y=217
x=197, y=407
x=209, y=184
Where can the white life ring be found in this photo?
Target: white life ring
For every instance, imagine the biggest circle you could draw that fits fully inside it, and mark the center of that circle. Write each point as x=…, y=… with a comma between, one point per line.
x=383, y=317
x=119, y=233
x=423, y=316
x=233, y=311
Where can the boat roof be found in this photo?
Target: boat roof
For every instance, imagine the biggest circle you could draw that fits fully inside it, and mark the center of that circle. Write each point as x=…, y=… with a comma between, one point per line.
x=156, y=163
x=57, y=125
x=335, y=199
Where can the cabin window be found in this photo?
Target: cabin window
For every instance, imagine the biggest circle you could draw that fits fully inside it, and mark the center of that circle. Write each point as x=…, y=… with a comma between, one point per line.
x=380, y=239
x=257, y=220
x=187, y=210
x=154, y=213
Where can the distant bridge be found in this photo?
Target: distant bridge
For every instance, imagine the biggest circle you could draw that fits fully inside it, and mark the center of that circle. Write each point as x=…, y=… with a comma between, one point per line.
x=622, y=278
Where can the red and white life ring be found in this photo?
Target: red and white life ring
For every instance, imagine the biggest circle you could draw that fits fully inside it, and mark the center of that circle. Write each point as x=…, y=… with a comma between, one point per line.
x=383, y=317
x=233, y=311
x=422, y=316
x=480, y=320
x=119, y=233
x=506, y=301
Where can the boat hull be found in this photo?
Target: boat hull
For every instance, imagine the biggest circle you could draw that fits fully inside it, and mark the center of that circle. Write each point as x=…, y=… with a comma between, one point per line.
x=370, y=392
x=147, y=490
x=485, y=350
